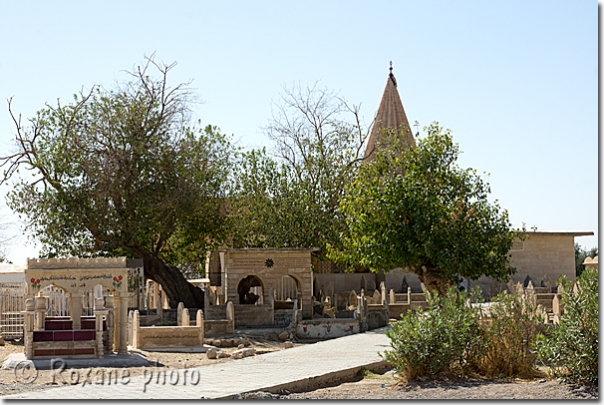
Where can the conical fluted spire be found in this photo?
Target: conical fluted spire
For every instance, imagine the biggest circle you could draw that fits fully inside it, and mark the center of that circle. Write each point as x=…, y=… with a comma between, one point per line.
x=390, y=115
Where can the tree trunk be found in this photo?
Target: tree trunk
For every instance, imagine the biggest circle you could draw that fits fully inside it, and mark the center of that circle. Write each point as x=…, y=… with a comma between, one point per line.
x=173, y=283
x=433, y=280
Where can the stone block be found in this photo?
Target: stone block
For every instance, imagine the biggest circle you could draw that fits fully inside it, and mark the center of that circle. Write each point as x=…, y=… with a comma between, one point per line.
x=241, y=353
x=212, y=353
x=223, y=355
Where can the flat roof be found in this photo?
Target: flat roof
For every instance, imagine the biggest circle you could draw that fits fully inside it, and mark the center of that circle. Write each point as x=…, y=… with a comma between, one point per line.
x=588, y=233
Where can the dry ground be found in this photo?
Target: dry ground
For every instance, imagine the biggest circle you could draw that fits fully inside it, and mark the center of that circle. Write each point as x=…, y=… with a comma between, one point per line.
x=386, y=387
x=371, y=386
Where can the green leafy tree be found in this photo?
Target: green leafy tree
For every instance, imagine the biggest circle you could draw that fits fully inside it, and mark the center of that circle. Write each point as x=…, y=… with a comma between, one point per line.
x=123, y=172
x=291, y=199
x=416, y=208
x=580, y=256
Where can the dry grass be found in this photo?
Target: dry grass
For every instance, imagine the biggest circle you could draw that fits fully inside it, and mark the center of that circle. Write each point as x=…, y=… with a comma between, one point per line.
x=510, y=331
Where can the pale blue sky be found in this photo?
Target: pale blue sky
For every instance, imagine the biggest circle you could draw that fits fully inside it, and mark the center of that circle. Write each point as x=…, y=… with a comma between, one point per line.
x=516, y=81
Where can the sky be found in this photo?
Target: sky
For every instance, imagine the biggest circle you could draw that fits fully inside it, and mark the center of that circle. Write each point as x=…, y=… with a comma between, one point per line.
x=515, y=81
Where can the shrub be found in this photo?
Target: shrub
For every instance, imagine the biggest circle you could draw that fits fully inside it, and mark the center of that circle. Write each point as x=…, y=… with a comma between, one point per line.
x=510, y=329
x=571, y=350
x=451, y=336
x=443, y=338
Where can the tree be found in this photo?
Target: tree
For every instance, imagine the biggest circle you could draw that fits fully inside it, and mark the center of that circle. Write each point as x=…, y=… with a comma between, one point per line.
x=417, y=209
x=580, y=256
x=291, y=200
x=123, y=172
x=3, y=242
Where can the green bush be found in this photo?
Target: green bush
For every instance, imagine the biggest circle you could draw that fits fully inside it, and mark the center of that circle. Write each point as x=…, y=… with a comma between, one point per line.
x=571, y=348
x=443, y=338
x=450, y=336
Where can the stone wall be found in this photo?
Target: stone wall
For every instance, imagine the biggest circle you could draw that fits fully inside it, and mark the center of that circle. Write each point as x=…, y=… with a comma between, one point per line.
x=544, y=253
x=219, y=327
x=376, y=318
x=541, y=254
x=283, y=317
x=224, y=326
x=269, y=266
x=254, y=316
x=150, y=320
x=215, y=312
x=345, y=282
x=327, y=328
x=165, y=336
x=394, y=281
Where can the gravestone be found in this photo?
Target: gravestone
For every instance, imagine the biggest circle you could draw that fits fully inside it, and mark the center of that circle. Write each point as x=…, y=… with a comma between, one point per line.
x=179, y=310
x=376, y=298
x=404, y=285
x=352, y=300
x=546, y=283
x=526, y=281
x=576, y=289
x=329, y=290
x=185, y=317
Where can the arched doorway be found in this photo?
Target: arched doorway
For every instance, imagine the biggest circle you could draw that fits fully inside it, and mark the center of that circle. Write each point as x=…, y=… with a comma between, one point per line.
x=250, y=291
x=288, y=290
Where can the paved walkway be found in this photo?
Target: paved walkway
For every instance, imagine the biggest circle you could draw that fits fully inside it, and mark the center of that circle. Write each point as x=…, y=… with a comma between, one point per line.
x=286, y=369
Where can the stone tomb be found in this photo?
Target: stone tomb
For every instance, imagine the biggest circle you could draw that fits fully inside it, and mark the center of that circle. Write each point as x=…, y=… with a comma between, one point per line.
x=247, y=275
x=182, y=335
x=76, y=336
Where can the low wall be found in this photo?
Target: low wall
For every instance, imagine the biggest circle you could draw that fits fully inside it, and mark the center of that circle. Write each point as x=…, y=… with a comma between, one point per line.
x=346, y=281
x=221, y=320
x=250, y=316
x=283, y=317
x=165, y=336
x=396, y=310
x=254, y=316
x=214, y=312
x=169, y=316
x=377, y=317
x=149, y=320
x=219, y=327
x=347, y=314
x=326, y=328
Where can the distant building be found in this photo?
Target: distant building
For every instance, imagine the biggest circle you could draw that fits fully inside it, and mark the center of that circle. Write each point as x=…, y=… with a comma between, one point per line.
x=234, y=273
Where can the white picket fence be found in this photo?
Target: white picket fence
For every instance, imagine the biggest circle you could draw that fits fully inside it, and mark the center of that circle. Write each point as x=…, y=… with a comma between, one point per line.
x=12, y=302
